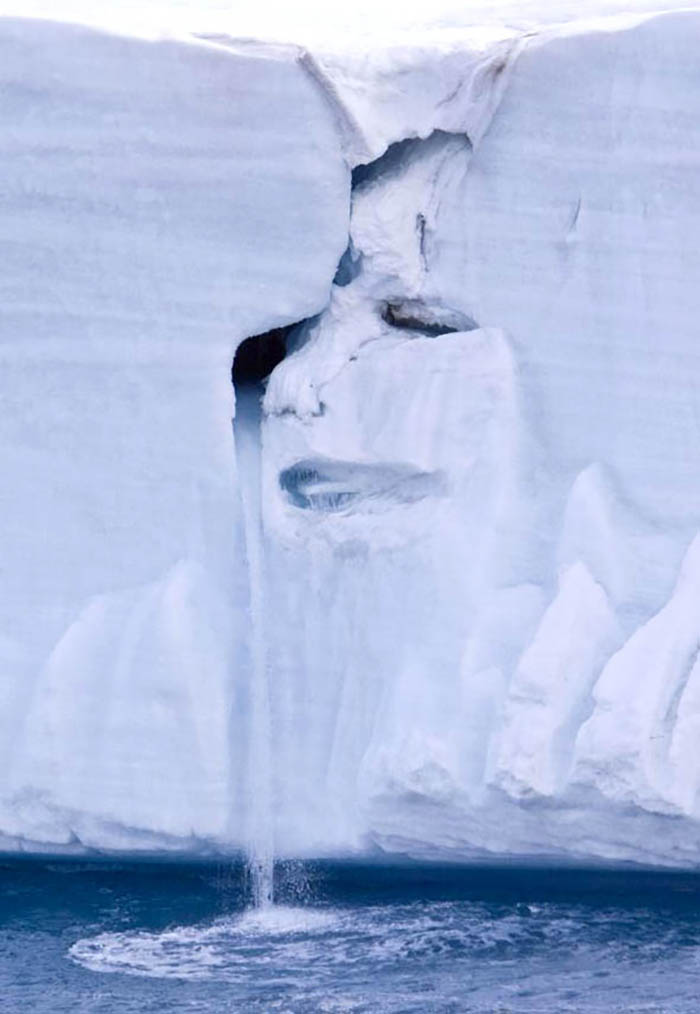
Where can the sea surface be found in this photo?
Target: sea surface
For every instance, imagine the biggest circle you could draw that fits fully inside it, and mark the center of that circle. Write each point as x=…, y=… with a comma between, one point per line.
x=153, y=937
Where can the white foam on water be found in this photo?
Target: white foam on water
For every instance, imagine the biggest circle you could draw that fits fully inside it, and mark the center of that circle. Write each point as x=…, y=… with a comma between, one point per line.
x=284, y=919
x=401, y=957
x=227, y=948
x=185, y=953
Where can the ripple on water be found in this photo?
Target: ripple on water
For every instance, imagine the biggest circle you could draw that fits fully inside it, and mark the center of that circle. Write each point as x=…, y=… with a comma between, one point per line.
x=280, y=941
x=403, y=957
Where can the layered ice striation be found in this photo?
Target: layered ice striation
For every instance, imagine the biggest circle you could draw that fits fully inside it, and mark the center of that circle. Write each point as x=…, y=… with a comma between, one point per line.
x=479, y=493
x=162, y=201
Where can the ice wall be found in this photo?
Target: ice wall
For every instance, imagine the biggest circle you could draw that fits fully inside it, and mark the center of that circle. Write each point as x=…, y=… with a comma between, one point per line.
x=161, y=200
x=500, y=662
x=479, y=492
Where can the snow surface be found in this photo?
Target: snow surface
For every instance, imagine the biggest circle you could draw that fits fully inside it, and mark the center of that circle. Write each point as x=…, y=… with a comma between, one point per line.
x=480, y=494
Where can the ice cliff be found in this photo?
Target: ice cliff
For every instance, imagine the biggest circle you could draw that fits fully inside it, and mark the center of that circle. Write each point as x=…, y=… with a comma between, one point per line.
x=479, y=458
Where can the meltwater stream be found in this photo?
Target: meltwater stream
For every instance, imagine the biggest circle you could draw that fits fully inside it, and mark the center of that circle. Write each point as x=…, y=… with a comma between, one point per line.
x=260, y=843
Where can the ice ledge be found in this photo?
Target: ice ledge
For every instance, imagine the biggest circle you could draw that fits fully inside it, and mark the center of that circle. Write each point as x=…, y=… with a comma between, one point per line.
x=398, y=92
x=450, y=77
x=405, y=92
x=380, y=94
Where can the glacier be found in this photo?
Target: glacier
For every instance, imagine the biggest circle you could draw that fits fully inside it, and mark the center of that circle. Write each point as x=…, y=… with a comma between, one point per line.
x=475, y=608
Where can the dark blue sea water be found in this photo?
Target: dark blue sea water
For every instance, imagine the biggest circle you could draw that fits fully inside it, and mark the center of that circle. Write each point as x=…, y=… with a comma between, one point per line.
x=155, y=937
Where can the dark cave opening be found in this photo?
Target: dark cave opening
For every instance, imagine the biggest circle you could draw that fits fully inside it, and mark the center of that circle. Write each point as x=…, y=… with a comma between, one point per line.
x=399, y=154
x=257, y=356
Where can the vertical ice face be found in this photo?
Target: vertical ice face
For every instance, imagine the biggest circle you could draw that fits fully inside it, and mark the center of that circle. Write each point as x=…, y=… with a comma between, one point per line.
x=549, y=696
x=479, y=491
x=394, y=459
x=161, y=201
x=515, y=321
x=577, y=234
x=643, y=701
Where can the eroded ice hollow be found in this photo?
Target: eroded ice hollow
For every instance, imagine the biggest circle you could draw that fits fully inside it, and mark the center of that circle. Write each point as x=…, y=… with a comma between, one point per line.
x=480, y=492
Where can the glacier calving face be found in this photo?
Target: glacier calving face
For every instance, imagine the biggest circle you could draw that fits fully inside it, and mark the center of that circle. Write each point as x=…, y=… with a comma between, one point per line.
x=161, y=201
x=506, y=664
x=480, y=504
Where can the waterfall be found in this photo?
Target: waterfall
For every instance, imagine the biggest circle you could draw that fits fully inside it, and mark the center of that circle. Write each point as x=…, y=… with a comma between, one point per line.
x=260, y=843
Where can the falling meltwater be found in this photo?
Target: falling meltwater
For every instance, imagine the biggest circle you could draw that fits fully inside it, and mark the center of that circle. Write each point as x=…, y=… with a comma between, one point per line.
x=260, y=845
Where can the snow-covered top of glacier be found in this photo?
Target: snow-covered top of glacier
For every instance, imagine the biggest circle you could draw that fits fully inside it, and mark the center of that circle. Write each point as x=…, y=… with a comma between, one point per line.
x=389, y=71
x=318, y=22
